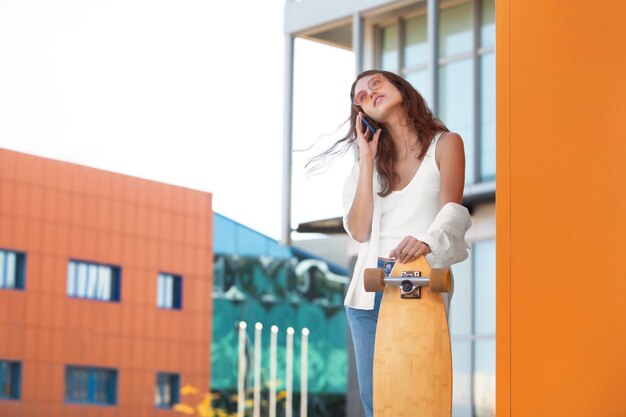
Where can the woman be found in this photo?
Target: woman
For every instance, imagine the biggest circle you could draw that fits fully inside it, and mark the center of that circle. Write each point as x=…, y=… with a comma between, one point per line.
x=402, y=198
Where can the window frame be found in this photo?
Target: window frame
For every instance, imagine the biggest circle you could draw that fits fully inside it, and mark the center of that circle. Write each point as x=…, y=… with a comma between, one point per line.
x=15, y=372
x=92, y=373
x=115, y=292
x=177, y=291
x=174, y=380
x=19, y=272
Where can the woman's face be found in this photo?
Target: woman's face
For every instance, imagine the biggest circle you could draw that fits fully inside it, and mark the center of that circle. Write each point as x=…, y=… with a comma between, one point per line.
x=377, y=96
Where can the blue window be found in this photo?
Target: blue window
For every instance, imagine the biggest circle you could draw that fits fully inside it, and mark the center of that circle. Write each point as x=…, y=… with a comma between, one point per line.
x=12, y=269
x=169, y=291
x=10, y=379
x=93, y=281
x=90, y=385
x=166, y=390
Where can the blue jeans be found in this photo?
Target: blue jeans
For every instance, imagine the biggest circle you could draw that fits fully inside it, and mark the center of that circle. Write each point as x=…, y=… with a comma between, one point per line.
x=363, y=328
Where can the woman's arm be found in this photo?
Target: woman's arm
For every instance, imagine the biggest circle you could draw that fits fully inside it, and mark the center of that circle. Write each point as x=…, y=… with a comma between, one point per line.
x=450, y=158
x=359, y=217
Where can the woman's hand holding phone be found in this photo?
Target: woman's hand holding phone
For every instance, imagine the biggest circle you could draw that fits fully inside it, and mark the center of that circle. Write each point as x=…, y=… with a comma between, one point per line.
x=366, y=137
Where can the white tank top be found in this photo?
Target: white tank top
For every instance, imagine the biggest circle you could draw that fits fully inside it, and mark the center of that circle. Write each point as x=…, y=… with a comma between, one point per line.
x=411, y=210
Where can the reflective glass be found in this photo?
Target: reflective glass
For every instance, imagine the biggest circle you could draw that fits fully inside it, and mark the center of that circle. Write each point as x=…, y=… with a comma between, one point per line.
x=11, y=269
x=485, y=288
x=71, y=279
x=456, y=103
x=461, y=304
x=485, y=378
x=104, y=283
x=2, y=269
x=416, y=42
x=488, y=23
x=169, y=291
x=455, y=30
x=81, y=280
x=92, y=281
x=420, y=80
x=389, y=57
x=461, y=379
x=487, y=117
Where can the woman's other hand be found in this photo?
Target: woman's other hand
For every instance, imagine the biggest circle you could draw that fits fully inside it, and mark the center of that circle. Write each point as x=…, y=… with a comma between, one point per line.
x=409, y=249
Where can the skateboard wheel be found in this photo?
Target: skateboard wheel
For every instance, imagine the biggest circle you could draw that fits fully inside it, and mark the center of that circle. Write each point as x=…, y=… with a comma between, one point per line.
x=439, y=280
x=373, y=279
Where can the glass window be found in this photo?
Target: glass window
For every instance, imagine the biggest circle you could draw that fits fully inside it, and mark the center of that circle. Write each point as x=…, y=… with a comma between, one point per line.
x=166, y=390
x=90, y=385
x=461, y=379
x=461, y=304
x=485, y=378
x=12, y=269
x=389, y=57
x=485, y=287
x=10, y=379
x=487, y=116
x=415, y=42
x=169, y=291
x=93, y=281
x=421, y=82
x=456, y=104
x=488, y=23
x=455, y=30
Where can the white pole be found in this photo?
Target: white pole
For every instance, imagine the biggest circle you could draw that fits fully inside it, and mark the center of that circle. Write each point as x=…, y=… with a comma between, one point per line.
x=304, y=377
x=241, y=393
x=257, y=370
x=289, y=373
x=273, y=339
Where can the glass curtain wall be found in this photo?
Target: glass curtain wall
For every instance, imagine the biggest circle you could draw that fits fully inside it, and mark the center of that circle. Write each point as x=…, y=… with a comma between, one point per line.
x=465, y=86
x=473, y=332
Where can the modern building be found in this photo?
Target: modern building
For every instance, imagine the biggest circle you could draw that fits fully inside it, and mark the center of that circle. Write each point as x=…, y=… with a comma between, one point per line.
x=258, y=280
x=104, y=291
x=446, y=49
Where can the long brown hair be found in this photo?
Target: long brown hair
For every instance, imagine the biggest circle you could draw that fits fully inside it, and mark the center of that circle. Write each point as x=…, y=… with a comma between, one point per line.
x=420, y=120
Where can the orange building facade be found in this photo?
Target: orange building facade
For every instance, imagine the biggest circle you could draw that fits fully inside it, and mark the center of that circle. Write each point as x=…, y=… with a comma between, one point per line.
x=105, y=284
x=561, y=209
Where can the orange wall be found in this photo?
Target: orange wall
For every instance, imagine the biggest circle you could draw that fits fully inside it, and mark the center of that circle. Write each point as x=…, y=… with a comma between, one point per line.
x=55, y=211
x=561, y=208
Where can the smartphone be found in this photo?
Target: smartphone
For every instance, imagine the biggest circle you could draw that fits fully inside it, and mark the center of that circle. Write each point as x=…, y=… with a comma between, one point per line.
x=368, y=125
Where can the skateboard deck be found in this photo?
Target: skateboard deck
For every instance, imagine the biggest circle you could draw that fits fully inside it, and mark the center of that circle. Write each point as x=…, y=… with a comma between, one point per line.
x=412, y=354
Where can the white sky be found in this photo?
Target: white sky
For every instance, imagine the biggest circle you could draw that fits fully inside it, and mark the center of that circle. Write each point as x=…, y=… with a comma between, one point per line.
x=183, y=92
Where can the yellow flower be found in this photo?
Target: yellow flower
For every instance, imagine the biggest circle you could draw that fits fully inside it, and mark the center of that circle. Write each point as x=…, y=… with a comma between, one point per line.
x=188, y=389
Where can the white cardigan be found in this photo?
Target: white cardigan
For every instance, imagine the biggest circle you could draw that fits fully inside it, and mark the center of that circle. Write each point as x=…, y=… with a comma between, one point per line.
x=445, y=236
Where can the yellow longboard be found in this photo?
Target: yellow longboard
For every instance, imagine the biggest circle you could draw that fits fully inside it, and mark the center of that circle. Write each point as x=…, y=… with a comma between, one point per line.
x=412, y=355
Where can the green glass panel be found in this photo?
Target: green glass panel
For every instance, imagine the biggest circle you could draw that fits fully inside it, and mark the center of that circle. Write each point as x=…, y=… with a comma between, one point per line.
x=488, y=23
x=389, y=57
x=416, y=42
x=485, y=378
x=456, y=104
x=461, y=379
x=455, y=30
x=485, y=288
x=487, y=117
x=461, y=305
x=224, y=357
x=420, y=80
